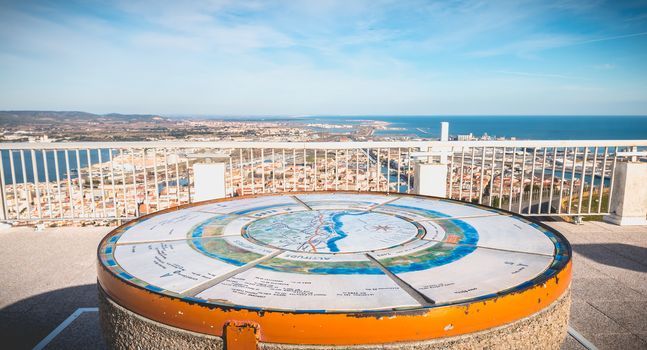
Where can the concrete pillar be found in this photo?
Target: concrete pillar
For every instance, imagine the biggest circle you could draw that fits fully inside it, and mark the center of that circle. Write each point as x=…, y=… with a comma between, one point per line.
x=444, y=136
x=444, y=131
x=209, y=181
x=629, y=197
x=430, y=179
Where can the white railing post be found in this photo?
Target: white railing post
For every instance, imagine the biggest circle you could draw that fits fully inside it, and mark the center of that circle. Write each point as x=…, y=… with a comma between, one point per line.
x=209, y=181
x=444, y=136
x=3, y=198
x=628, y=204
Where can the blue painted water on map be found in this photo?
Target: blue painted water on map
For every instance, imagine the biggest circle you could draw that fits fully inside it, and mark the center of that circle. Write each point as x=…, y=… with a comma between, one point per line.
x=339, y=230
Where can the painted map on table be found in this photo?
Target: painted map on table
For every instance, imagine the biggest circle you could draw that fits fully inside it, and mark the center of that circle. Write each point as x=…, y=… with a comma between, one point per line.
x=332, y=231
x=333, y=251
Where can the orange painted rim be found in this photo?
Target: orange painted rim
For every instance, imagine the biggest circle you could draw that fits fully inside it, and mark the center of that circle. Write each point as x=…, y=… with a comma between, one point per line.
x=343, y=328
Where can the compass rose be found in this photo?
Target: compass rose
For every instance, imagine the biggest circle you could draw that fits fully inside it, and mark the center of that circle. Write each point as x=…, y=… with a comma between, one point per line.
x=385, y=228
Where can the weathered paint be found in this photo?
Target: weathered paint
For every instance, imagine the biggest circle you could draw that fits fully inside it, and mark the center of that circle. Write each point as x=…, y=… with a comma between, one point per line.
x=241, y=335
x=340, y=328
x=336, y=328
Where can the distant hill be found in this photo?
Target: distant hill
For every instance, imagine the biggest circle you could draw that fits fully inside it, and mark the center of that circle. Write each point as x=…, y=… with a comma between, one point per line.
x=9, y=118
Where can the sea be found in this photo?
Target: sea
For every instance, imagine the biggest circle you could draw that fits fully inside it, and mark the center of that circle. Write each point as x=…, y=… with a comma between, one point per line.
x=519, y=127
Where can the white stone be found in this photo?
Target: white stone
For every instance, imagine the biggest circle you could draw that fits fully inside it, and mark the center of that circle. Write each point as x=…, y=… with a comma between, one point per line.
x=629, y=198
x=431, y=179
x=209, y=181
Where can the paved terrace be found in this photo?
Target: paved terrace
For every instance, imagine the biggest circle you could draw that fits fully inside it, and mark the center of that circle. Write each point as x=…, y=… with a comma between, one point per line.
x=46, y=276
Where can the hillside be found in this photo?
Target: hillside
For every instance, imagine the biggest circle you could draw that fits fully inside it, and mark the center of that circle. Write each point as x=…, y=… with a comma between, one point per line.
x=14, y=118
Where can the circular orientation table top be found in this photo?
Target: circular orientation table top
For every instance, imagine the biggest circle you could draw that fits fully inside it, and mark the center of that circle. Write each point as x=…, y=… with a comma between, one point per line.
x=328, y=253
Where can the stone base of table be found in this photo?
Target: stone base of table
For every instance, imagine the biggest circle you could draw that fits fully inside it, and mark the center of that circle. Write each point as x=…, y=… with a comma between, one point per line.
x=543, y=330
x=124, y=329
x=546, y=329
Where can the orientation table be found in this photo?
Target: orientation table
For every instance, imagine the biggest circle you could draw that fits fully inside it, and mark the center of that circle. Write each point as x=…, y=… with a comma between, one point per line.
x=330, y=270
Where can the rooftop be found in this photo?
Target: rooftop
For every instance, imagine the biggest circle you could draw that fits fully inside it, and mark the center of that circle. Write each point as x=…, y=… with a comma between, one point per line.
x=49, y=276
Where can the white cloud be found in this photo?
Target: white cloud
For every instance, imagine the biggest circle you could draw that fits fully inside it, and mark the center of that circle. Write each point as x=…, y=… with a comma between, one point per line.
x=605, y=66
x=302, y=57
x=535, y=74
x=528, y=47
x=217, y=38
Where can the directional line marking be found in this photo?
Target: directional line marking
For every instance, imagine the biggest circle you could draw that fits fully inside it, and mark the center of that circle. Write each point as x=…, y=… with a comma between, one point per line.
x=212, y=282
x=414, y=293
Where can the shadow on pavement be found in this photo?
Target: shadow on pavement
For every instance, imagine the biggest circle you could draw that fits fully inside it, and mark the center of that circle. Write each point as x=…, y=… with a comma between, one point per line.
x=625, y=256
x=26, y=322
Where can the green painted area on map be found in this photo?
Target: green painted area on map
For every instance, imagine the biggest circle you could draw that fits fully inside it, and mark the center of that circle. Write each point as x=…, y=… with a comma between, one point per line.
x=346, y=205
x=214, y=227
x=321, y=267
x=220, y=249
x=423, y=256
x=402, y=210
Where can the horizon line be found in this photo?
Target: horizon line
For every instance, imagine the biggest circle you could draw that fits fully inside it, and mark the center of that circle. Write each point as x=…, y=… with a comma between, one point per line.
x=323, y=115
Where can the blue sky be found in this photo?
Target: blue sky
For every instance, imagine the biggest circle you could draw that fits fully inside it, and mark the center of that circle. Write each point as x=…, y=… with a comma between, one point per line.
x=348, y=57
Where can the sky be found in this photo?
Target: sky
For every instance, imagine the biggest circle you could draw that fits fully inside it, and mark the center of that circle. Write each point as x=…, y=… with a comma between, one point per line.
x=346, y=57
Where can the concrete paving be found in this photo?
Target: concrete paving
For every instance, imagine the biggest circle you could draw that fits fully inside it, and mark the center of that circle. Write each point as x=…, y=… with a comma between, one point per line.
x=46, y=276
x=609, y=284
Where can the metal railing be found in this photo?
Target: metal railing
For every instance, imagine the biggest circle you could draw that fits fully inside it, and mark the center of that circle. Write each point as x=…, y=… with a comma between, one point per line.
x=566, y=178
x=121, y=181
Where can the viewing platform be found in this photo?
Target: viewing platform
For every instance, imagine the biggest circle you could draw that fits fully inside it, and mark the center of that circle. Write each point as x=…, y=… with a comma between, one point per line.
x=281, y=175
x=48, y=276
